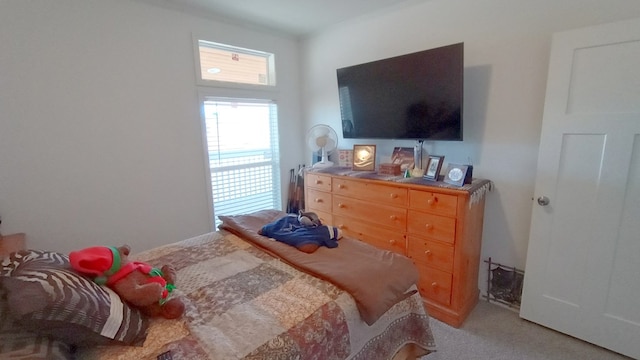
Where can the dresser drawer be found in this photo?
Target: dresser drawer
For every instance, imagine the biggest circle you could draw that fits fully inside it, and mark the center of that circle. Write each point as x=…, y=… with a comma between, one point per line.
x=318, y=201
x=435, y=203
x=319, y=182
x=389, y=216
x=431, y=226
x=325, y=217
x=434, y=284
x=383, y=194
x=431, y=253
x=391, y=240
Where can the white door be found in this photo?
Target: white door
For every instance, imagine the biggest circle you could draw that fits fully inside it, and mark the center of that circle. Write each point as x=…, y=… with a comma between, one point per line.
x=582, y=275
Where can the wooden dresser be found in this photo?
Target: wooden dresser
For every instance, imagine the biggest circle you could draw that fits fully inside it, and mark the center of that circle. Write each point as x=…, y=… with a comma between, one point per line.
x=437, y=225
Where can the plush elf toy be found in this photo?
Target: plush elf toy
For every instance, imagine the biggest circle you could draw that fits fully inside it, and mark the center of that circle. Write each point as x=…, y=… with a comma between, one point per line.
x=138, y=283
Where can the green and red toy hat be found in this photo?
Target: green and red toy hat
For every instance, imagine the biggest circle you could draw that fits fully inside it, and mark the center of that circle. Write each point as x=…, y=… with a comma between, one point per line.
x=98, y=261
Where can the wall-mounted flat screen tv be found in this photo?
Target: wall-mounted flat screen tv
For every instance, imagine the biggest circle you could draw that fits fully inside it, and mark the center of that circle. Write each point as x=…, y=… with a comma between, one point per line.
x=414, y=96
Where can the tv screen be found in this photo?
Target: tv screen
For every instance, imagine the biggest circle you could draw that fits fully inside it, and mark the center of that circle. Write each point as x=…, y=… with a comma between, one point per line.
x=413, y=96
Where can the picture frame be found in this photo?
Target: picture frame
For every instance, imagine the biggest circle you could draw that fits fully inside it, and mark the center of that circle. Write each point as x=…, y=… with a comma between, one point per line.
x=434, y=165
x=404, y=157
x=456, y=174
x=345, y=157
x=364, y=157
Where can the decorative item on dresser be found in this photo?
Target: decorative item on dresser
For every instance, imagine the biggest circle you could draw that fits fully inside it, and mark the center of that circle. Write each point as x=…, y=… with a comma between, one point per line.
x=437, y=225
x=364, y=157
x=433, y=167
x=458, y=175
x=403, y=156
x=390, y=169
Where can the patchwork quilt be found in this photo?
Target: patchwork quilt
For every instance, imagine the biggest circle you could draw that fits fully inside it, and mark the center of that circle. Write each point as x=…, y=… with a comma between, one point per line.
x=244, y=303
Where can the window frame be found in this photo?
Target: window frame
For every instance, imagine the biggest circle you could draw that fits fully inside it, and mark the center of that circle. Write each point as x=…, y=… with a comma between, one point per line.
x=232, y=85
x=206, y=93
x=224, y=89
x=276, y=173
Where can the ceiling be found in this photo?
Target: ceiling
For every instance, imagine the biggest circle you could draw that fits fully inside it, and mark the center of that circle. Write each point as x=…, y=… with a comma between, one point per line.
x=296, y=17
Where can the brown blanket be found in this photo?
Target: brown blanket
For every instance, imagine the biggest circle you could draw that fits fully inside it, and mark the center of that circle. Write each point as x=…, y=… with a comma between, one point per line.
x=377, y=279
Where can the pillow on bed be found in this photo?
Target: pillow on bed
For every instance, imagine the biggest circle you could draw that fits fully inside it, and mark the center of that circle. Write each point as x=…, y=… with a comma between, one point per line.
x=17, y=343
x=46, y=296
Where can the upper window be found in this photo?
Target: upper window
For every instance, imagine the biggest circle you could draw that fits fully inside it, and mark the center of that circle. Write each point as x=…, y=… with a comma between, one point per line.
x=231, y=64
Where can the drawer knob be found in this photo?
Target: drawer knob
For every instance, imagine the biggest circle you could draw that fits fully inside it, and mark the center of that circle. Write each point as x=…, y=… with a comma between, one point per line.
x=341, y=227
x=434, y=284
x=393, y=217
x=341, y=186
x=341, y=205
x=394, y=196
x=428, y=226
x=318, y=182
x=428, y=252
x=392, y=241
x=318, y=200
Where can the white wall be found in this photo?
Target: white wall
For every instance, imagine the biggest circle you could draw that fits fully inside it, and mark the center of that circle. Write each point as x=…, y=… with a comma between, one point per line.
x=100, y=139
x=507, y=47
x=100, y=130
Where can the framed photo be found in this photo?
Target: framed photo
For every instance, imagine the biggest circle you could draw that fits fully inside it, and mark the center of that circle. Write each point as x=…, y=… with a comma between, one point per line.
x=433, y=167
x=345, y=157
x=456, y=174
x=403, y=156
x=364, y=157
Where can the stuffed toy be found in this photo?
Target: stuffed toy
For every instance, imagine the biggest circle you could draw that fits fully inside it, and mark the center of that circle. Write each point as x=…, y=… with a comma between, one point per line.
x=303, y=231
x=308, y=218
x=137, y=283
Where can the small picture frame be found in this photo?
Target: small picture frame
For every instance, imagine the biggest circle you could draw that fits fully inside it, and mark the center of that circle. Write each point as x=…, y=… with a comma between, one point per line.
x=345, y=157
x=364, y=157
x=403, y=156
x=456, y=174
x=433, y=167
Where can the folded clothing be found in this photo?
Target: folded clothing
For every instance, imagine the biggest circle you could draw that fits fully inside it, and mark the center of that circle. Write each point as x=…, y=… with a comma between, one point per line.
x=289, y=230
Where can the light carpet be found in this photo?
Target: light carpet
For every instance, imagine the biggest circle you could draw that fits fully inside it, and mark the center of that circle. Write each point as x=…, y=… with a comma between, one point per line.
x=494, y=332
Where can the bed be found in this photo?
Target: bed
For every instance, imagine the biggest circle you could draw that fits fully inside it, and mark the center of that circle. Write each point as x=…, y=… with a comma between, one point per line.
x=247, y=297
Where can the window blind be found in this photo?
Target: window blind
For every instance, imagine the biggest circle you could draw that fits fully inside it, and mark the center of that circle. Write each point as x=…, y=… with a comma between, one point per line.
x=242, y=145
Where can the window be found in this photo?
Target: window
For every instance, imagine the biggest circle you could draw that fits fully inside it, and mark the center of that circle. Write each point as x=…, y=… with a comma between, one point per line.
x=234, y=65
x=242, y=144
x=241, y=127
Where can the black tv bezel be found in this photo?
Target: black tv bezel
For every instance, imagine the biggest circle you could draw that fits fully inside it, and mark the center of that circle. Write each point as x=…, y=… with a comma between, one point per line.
x=429, y=55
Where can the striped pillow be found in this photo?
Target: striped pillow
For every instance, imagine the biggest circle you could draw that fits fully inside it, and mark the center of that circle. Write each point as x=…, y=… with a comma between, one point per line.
x=19, y=344
x=46, y=296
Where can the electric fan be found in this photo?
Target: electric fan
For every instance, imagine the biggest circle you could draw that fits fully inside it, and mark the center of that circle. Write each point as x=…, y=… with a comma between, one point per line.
x=322, y=137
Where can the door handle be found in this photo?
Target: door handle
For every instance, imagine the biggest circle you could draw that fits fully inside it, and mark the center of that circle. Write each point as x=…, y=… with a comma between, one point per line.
x=543, y=201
